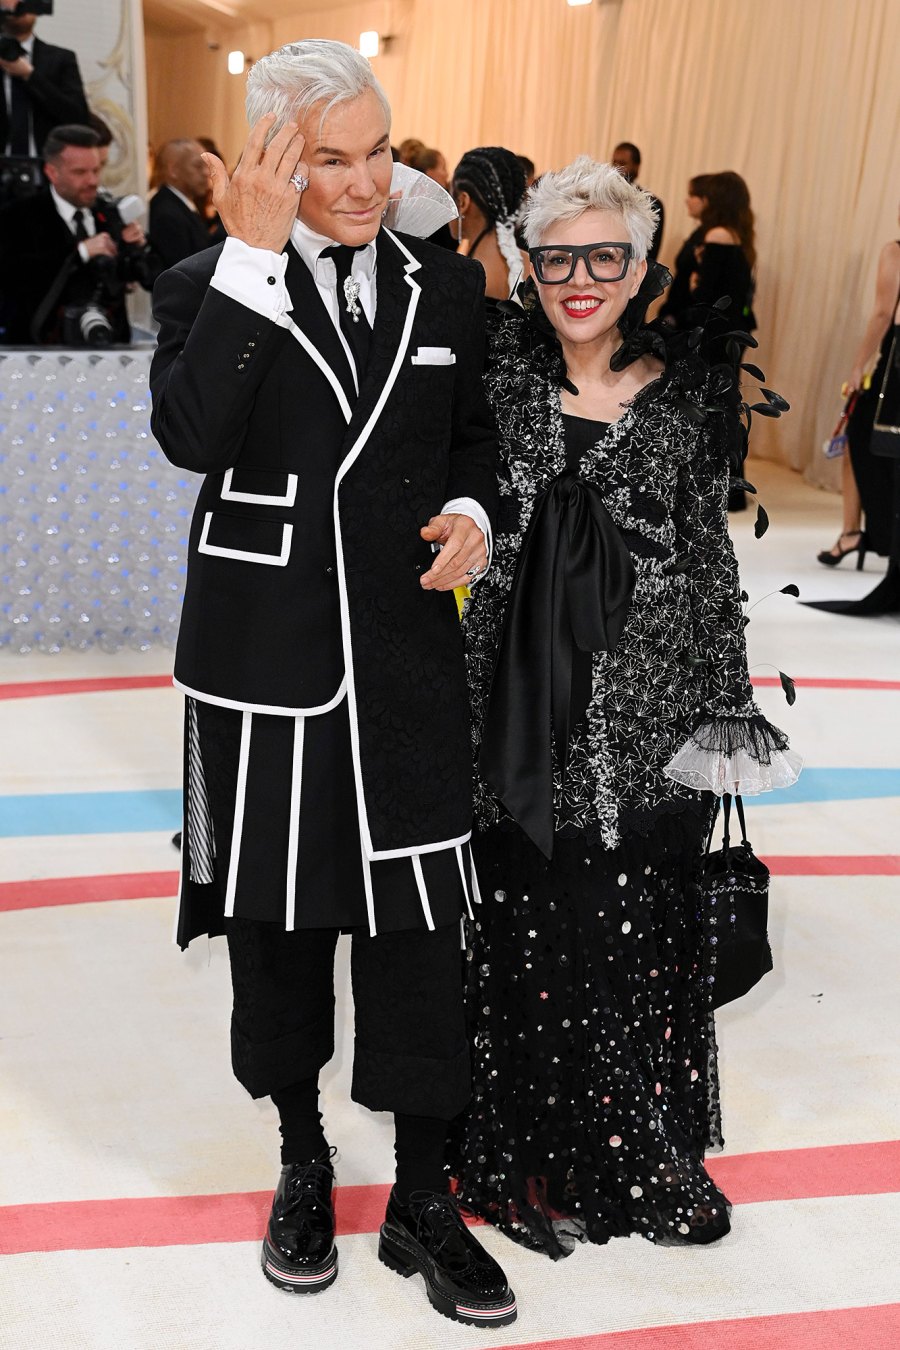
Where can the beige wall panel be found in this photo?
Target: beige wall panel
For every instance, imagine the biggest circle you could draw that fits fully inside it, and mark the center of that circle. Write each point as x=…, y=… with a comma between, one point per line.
x=800, y=96
x=189, y=89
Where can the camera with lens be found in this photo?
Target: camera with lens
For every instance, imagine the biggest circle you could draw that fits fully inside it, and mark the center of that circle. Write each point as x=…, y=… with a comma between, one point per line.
x=88, y=324
x=10, y=47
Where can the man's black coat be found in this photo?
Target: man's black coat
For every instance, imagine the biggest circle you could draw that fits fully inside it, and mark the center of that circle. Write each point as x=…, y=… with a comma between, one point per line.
x=305, y=555
x=176, y=231
x=55, y=92
x=39, y=258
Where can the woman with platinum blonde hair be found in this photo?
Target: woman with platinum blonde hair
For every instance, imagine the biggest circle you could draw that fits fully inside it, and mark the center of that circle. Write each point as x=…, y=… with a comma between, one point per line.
x=611, y=701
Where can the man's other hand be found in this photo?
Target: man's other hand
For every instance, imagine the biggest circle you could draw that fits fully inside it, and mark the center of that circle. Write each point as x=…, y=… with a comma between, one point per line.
x=462, y=548
x=100, y=246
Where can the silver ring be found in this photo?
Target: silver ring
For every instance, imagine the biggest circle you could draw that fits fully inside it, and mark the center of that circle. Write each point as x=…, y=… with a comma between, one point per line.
x=299, y=181
x=473, y=572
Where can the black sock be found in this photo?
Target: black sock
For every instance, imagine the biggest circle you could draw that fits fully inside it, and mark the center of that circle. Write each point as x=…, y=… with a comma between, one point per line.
x=302, y=1137
x=419, y=1148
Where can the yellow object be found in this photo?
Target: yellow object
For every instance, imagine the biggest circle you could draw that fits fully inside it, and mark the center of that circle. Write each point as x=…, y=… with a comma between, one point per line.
x=462, y=594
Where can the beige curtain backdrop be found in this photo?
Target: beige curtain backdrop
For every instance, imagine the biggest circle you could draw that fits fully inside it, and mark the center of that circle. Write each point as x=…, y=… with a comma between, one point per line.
x=802, y=97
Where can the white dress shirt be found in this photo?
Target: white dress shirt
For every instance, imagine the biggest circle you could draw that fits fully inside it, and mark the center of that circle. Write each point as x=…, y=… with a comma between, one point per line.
x=192, y=206
x=67, y=212
x=245, y=274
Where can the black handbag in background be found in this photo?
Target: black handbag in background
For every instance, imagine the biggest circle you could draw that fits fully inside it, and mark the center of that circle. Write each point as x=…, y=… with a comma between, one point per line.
x=886, y=431
x=735, y=890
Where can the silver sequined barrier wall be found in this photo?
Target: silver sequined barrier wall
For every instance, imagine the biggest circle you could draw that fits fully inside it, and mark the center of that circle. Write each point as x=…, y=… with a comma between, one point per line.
x=93, y=519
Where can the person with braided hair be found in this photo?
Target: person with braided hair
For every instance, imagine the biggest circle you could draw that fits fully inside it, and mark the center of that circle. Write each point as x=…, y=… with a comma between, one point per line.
x=488, y=188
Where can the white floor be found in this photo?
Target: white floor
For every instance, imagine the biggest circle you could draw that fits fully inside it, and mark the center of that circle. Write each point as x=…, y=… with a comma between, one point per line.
x=116, y=1078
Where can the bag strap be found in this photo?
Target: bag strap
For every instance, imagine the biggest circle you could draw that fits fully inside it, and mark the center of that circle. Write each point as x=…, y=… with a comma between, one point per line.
x=726, y=818
x=712, y=826
x=740, y=811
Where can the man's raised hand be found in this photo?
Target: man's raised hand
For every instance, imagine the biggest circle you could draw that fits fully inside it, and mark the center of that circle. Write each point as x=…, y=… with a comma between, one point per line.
x=258, y=203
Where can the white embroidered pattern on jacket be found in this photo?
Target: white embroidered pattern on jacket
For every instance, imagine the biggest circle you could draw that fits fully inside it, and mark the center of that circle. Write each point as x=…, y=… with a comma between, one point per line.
x=681, y=660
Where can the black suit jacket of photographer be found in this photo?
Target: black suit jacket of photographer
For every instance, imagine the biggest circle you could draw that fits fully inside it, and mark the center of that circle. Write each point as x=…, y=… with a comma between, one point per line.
x=39, y=259
x=55, y=91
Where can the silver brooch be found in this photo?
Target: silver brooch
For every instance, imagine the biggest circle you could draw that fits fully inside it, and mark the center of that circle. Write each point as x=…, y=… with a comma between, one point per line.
x=351, y=294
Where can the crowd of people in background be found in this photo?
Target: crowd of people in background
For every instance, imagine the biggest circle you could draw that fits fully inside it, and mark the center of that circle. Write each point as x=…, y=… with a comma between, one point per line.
x=67, y=255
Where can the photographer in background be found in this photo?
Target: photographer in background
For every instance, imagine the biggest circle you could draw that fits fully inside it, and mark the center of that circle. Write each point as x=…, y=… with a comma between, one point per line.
x=67, y=258
x=41, y=84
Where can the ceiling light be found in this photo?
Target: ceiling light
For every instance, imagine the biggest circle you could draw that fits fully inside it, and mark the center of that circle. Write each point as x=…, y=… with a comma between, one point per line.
x=369, y=43
x=573, y=3
x=236, y=63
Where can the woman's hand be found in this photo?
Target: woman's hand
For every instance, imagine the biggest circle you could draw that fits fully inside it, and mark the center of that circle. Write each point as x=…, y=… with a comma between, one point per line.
x=258, y=204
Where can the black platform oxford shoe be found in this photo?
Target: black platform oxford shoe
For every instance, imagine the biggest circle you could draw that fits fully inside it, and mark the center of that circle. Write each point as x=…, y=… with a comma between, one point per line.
x=462, y=1281
x=298, y=1251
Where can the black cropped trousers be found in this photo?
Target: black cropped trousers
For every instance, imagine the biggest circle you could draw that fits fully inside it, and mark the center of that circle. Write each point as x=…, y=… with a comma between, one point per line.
x=411, y=1055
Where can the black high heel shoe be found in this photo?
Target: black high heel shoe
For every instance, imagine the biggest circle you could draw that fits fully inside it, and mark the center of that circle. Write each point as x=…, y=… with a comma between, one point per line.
x=829, y=558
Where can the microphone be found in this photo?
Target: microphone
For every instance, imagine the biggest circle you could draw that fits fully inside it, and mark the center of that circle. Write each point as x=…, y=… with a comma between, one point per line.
x=130, y=208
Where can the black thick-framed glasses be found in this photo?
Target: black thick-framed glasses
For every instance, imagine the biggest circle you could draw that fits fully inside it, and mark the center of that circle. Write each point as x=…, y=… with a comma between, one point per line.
x=554, y=264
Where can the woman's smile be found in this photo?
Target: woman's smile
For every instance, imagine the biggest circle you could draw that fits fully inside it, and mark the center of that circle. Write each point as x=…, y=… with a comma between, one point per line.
x=581, y=306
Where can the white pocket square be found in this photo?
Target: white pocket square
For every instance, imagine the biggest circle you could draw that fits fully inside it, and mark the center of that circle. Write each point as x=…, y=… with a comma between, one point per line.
x=434, y=356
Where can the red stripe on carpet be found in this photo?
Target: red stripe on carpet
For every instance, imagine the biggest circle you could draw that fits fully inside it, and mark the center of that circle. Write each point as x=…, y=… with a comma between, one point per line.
x=813, y=682
x=46, y=891
x=871, y=1328
x=809, y=1173
x=47, y=688
x=162, y=1221
x=86, y=890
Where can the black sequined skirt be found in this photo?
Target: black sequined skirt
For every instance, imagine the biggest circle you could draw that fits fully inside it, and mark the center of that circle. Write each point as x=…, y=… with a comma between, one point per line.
x=594, y=1055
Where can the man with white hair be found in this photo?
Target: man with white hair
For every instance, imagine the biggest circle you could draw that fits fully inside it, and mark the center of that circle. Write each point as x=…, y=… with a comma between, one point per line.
x=324, y=372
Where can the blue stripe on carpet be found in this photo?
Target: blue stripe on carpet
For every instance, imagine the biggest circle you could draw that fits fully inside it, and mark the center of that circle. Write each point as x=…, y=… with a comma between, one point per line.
x=90, y=812
x=830, y=785
x=160, y=809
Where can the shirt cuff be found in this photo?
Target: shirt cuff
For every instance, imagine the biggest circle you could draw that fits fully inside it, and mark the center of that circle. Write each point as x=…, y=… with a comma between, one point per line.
x=254, y=277
x=466, y=506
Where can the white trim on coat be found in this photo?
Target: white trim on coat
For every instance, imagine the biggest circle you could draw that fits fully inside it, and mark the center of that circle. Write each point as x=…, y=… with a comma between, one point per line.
x=370, y=894
x=287, y=498
x=238, y=827
x=378, y=855
x=462, y=873
x=272, y=709
x=350, y=459
x=243, y=555
x=294, y=823
x=423, y=892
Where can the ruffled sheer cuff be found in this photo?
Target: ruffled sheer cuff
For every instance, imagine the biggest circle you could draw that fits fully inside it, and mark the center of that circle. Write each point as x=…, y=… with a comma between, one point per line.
x=745, y=755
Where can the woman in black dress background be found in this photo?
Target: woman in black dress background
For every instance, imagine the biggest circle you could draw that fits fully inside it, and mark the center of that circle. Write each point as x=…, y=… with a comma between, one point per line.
x=719, y=257
x=867, y=480
x=608, y=672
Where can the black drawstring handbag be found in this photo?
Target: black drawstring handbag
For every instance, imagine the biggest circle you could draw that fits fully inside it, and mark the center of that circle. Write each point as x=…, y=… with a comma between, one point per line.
x=735, y=889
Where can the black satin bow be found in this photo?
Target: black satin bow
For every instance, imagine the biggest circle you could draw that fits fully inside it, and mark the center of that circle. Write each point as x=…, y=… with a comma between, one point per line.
x=572, y=588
